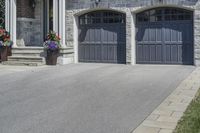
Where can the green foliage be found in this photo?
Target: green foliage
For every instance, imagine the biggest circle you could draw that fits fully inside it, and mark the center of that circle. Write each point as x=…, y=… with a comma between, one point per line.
x=190, y=122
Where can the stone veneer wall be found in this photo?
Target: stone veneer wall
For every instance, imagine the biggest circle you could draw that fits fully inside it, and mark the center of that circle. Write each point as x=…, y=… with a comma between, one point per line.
x=30, y=28
x=74, y=8
x=197, y=34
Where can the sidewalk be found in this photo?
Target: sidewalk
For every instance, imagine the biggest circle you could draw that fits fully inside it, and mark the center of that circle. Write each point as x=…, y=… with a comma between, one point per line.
x=165, y=118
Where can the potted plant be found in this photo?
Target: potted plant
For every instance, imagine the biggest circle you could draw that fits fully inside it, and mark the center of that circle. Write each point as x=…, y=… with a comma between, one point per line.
x=52, y=46
x=3, y=52
x=8, y=43
x=5, y=44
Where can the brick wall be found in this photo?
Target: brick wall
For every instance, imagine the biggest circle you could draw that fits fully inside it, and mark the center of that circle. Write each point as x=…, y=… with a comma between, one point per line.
x=24, y=9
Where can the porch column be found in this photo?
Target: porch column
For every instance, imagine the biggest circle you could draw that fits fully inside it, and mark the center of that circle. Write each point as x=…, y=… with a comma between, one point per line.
x=7, y=15
x=55, y=15
x=62, y=21
x=11, y=19
x=59, y=19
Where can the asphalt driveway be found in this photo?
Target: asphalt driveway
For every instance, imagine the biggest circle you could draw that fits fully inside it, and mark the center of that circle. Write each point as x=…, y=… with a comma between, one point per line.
x=84, y=98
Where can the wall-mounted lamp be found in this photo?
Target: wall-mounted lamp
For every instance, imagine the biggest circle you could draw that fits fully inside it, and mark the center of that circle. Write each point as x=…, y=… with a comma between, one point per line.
x=33, y=3
x=97, y=2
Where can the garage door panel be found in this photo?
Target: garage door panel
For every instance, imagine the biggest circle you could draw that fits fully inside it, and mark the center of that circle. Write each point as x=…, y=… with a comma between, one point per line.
x=187, y=55
x=174, y=36
x=97, y=35
x=92, y=52
x=98, y=52
x=167, y=35
x=152, y=34
x=159, y=53
x=103, y=40
x=109, y=52
x=159, y=34
x=143, y=34
x=149, y=53
x=139, y=52
x=172, y=55
x=155, y=31
x=87, y=51
x=146, y=52
x=121, y=53
x=152, y=52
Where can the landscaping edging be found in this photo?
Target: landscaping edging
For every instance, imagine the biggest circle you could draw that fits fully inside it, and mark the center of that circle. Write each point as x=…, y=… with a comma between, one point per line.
x=166, y=116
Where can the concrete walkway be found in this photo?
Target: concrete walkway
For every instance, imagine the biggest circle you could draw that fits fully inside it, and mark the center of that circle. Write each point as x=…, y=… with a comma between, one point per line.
x=84, y=98
x=165, y=118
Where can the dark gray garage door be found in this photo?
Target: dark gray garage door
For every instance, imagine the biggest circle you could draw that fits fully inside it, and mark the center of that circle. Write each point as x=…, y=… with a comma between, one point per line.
x=102, y=37
x=164, y=36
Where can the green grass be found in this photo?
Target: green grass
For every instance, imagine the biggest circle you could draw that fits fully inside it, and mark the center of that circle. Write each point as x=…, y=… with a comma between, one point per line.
x=190, y=122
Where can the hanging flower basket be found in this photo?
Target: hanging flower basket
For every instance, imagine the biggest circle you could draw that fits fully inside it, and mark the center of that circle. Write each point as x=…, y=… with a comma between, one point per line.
x=52, y=46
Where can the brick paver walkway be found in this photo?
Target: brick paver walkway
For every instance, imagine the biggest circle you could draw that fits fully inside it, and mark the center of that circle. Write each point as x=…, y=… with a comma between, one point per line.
x=165, y=118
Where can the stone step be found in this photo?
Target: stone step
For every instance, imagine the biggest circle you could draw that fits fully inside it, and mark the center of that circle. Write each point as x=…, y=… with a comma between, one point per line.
x=28, y=54
x=26, y=59
x=34, y=56
x=20, y=63
x=28, y=48
x=27, y=51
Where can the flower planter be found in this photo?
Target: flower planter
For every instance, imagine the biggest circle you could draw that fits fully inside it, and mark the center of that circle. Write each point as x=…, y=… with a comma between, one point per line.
x=4, y=53
x=51, y=58
x=9, y=50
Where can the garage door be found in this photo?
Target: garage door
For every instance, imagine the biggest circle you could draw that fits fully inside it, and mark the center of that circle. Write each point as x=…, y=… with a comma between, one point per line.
x=102, y=37
x=164, y=36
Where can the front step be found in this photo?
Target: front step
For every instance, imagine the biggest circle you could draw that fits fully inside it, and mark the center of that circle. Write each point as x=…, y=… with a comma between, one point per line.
x=35, y=56
x=26, y=56
x=28, y=52
x=20, y=63
x=25, y=59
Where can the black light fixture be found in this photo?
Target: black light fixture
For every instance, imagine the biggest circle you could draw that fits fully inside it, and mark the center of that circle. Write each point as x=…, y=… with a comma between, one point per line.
x=33, y=3
x=97, y=2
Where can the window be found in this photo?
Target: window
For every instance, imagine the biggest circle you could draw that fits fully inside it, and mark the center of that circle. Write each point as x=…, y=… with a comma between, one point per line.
x=164, y=14
x=101, y=17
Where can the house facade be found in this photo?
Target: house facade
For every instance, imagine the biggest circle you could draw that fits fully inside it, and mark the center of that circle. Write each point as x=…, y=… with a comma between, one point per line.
x=105, y=31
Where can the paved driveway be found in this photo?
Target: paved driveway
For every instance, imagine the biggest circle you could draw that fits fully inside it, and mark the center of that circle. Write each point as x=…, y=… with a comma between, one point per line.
x=84, y=98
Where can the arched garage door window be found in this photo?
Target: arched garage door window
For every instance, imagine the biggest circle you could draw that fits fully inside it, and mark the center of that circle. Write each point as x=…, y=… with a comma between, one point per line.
x=164, y=14
x=98, y=17
x=165, y=36
x=102, y=37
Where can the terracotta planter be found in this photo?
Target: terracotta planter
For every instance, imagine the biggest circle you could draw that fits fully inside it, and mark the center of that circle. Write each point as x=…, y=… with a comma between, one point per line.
x=4, y=53
x=9, y=50
x=51, y=58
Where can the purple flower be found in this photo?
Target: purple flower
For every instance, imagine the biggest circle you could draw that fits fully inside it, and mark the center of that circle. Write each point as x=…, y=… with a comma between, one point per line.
x=1, y=43
x=52, y=45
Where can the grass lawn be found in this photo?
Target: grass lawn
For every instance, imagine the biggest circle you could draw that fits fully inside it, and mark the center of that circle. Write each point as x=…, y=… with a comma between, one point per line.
x=190, y=122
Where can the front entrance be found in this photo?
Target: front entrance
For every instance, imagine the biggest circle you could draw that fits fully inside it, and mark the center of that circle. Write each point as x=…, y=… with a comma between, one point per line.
x=102, y=37
x=165, y=36
x=34, y=20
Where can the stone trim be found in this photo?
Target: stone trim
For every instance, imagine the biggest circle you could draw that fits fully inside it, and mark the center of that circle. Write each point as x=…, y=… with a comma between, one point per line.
x=80, y=4
x=166, y=116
